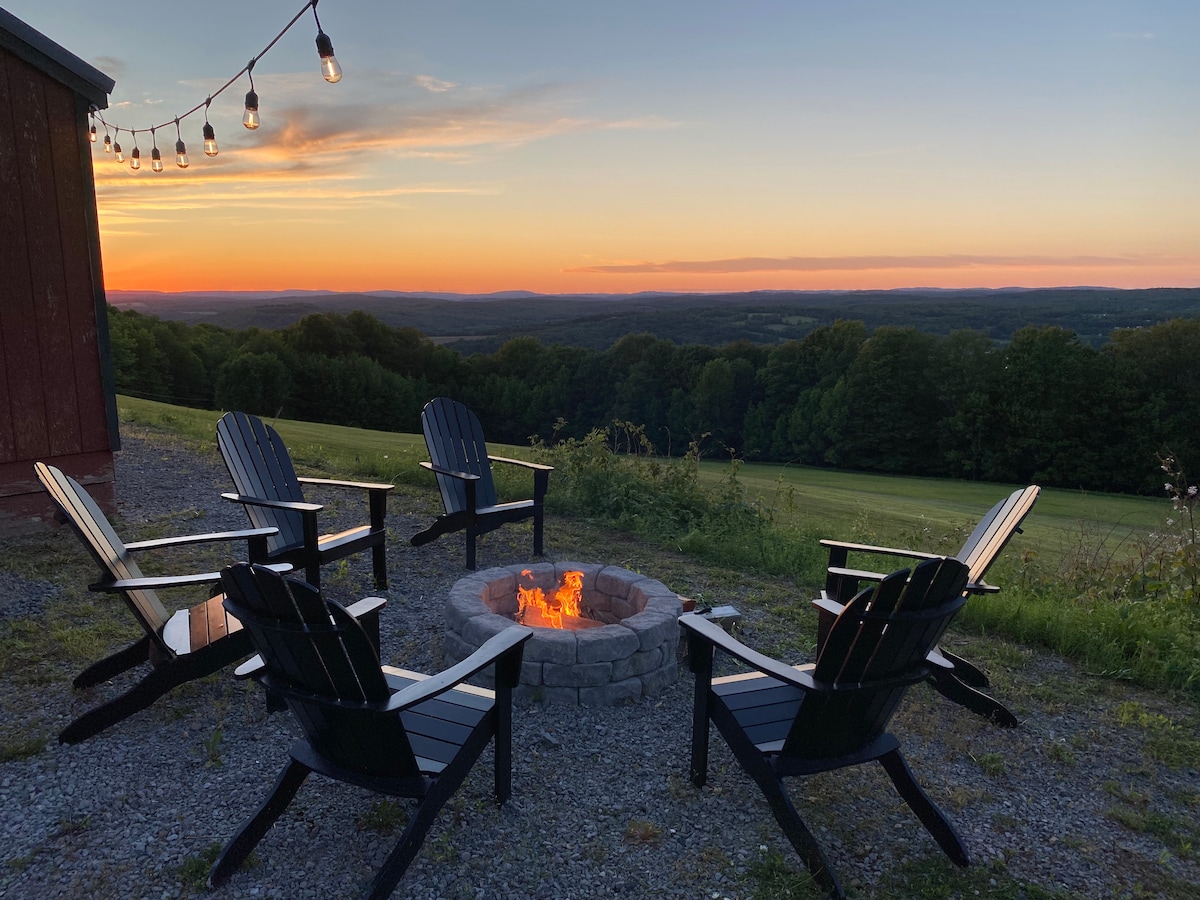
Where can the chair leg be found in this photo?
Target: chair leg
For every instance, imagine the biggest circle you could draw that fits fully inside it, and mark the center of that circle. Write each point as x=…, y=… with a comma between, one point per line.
x=538, y=528
x=259, y=824
x=137, y=698
x=931, y=817
x=406, y=849
x=794, y=829
x=799, y=836
x=379, y=564
x=503, y=744
x=470, y=533
x=965, y=671
x=121, y=661
x=990, y=708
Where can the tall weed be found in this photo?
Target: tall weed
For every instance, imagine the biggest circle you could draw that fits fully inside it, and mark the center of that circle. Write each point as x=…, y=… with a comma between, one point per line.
x=614, y=475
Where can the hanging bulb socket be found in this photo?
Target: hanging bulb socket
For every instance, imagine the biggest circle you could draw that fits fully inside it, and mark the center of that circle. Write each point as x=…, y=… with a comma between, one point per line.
x=250, y=119
x=331, y=71
x=107, y=144
x=92, y=134
x=135, y=159
x=156, y=163
x=117, y=150
x=181, y=158
x=210, y=140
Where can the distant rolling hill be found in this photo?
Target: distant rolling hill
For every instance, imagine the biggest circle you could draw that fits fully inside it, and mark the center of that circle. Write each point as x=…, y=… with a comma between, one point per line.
x=481, y=323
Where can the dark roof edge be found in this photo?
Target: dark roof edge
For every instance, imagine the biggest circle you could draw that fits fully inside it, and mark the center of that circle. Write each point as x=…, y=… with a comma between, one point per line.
x=56, y=61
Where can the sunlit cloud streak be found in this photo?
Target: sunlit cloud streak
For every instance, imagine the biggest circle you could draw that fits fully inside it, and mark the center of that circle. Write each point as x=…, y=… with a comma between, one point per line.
x=868, y=263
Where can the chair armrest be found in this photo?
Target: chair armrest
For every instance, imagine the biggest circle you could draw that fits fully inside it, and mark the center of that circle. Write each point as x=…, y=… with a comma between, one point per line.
x=366, y=606
x=719, y=638
x=157, y=582
x=293, y=505
x=507, y=641
x=360, y=485
x=184, y=540
x=827, y=604
x=434, y=467
x=251, y=668
x=521, y=462
x=869, y=548
x=857, y=574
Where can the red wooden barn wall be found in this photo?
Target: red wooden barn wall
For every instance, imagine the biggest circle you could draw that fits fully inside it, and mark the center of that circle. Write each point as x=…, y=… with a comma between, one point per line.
x=56, y=397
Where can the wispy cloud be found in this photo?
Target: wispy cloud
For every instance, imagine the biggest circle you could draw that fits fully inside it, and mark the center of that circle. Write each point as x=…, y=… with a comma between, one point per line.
x=434, y=85
x=744, y=264
x=327, y=144
x=1132, y=35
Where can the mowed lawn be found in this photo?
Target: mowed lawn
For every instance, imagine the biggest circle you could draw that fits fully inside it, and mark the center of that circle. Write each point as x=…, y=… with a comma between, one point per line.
x=897, y=510
x=892, y=510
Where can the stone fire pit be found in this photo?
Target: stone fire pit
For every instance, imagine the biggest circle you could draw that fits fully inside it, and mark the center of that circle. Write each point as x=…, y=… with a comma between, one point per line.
x=631, y=654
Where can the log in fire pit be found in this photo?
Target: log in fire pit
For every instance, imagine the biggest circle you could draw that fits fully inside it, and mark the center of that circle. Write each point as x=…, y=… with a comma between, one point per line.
x=602, y=634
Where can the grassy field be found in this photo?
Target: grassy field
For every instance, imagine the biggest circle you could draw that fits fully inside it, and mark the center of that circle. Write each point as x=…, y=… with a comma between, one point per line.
x=923, y=513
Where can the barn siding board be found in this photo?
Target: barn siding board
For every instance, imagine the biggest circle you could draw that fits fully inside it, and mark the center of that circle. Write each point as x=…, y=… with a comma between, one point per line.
x=23, y=355
x=76, y=326
x=13, y=264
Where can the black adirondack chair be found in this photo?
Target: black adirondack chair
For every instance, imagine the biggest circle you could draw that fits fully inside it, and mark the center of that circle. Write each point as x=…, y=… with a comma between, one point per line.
x=188, y=644
x=954, y=677
x=459, y=458
x=781, y=721
x=273, y=497
x=389, y=730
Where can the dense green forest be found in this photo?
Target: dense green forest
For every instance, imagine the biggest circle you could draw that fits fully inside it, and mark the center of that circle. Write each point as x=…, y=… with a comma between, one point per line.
x=1044, y=406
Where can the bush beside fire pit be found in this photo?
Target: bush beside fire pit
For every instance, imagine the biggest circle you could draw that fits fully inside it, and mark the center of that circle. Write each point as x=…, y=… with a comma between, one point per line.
x=631, y=652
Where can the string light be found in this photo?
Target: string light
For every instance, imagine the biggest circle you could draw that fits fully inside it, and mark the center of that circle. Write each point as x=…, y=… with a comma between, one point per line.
x=210, y=136
x=181, y=159
x=156, y=164
x=331, y=71
x=117, y=146
x=250, y=118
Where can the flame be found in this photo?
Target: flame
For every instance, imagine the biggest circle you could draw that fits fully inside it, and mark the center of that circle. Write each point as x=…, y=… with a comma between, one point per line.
x=567, y=599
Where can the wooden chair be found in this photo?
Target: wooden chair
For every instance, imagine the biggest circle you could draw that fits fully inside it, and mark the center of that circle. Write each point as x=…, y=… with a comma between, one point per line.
x=389, y=730
x=954, y=677
x=273, y=497
x=188, y=644
x=459, y=458
x=781, y=721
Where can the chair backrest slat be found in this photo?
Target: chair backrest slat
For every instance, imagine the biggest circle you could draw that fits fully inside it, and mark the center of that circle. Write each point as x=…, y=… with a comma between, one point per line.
x=322, y=661
x=97, y=534
x=260, y=466
x=874, y=651
x=995, y=530
x=454, y=439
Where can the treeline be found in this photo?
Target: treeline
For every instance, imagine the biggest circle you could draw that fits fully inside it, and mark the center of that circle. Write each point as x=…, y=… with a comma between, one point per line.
x=1045, y=407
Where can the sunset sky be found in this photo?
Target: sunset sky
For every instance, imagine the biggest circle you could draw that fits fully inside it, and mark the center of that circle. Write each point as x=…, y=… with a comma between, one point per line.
x=712, y=145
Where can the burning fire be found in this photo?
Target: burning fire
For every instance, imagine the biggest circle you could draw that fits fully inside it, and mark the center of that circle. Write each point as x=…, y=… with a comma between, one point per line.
x=566, y=600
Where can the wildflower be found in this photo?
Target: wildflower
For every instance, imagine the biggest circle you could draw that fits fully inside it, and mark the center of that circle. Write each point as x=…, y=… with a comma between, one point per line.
x=1168, y=487
x=1192, y=490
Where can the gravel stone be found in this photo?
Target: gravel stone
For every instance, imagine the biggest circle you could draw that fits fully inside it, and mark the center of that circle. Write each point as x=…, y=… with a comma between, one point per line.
x=127, y=812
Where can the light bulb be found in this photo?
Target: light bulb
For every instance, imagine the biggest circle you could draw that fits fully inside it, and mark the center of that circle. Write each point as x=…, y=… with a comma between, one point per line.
x=156, y=160
x=210, y=140
x=135, y=159
x=92, y=134
x=250, y=119
x=330, y=70
x=117, y=150
x=181, y=159
x=107, y=144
